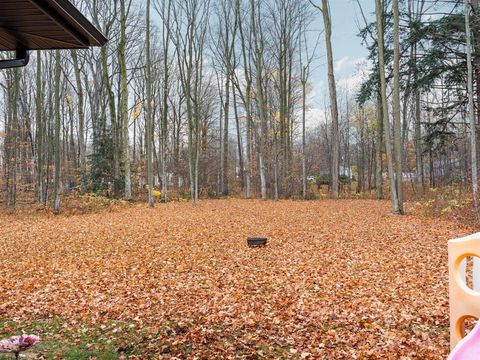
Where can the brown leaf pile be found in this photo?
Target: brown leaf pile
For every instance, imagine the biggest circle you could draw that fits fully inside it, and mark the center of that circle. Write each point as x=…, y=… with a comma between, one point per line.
x=338, y=280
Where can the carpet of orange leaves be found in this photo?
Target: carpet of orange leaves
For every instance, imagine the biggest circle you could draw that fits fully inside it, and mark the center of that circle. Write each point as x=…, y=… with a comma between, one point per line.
x=338, y=279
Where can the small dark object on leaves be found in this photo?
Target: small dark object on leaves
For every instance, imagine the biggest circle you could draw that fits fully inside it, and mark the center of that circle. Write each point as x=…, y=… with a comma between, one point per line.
x=126, y=349
x=257, y=242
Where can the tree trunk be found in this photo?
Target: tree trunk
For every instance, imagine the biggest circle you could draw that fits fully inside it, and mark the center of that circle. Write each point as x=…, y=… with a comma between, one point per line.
x=226, y=114
x=418, y=145
x=164, y=121
x=471, y=110
x=57, y=153
x=258, y=42
x=247, y=102
x=81, y=116
x=396, y=108
x=39, y=129
x=148, y=117
x=304, y=155
x=383, y=83
x=333, y=100
x=379, y=152
x=239, y=140
x=122, y=48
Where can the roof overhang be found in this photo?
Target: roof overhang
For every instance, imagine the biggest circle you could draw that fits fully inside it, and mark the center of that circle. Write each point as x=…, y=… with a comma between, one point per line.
x=44, y=25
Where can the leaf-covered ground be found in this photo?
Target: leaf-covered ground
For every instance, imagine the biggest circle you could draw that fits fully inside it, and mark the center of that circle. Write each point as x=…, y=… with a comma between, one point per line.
x=338, y=280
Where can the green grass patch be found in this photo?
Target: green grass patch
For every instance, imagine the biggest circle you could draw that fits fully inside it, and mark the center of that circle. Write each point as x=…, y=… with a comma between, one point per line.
x=64, y=340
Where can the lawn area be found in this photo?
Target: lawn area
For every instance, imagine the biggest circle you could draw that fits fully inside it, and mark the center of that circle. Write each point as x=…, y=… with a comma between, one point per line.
x=338, y=280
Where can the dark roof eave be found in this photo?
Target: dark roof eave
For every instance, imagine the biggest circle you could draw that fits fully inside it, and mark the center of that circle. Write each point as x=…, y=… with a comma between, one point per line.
x=72, y=21
x=45, y=25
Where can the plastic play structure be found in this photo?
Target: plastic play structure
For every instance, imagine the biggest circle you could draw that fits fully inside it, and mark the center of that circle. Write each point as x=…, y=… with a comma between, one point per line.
x=468, y=348
x=464, y=301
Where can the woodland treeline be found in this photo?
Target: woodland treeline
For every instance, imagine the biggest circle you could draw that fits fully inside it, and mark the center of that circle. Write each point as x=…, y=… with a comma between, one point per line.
x=209, y=98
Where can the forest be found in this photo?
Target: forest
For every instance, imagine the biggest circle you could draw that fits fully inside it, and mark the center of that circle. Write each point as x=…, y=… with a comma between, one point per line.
x=134, y=177
x=208, y=99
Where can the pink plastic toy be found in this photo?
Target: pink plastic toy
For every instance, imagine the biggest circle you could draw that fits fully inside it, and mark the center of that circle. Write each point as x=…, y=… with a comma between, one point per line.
x=469, y=347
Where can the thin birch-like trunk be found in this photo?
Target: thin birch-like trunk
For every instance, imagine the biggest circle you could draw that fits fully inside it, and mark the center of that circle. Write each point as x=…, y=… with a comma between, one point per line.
x=471, y=110
x=39, y=129
x=57, y=154
x=122, y=48
x=148, y=118
x=396, y=108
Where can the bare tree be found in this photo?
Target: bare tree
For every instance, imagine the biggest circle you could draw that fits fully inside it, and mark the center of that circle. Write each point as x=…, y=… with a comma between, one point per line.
x=259, y=47
x=379, y=11
x=39, y=130
x=305, y=64
x=396, y=108
x=246, y=95
x=190, y=19
x=164, y=10
x=149, y=114
x=471, y=110
x=58, y=69
x=125, y=119
x=223, y=43
x=327, y=22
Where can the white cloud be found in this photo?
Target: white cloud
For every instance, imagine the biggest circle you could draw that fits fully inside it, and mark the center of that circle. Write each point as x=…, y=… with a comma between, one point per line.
x=350, y=73
x=347, y=64
x=316, y=91
x=352, y=83
x=314, y=117
x=340, y=64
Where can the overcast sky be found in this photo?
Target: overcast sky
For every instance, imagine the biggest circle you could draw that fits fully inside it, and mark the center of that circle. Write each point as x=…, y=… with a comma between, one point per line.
x=347, y=48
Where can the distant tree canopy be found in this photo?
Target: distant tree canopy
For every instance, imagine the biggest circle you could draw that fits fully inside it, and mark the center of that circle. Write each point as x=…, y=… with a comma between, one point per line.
x=221, y=105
